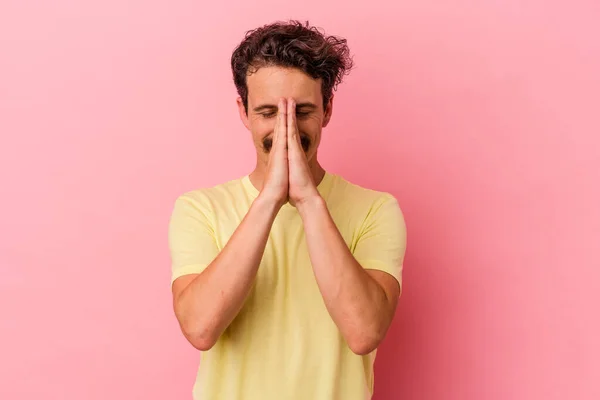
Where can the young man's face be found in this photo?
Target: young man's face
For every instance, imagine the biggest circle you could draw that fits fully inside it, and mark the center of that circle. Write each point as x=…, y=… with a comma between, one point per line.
x=265, y=87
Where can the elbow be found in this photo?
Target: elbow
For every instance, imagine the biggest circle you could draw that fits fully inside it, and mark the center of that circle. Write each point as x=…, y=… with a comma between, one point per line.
x=363, y=348
x=202, y=344
x=196, y=330
x=364, y=343
x=199, y=335
x=202, y=341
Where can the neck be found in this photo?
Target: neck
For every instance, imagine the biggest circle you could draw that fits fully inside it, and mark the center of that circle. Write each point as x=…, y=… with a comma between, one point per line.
x=257, y=177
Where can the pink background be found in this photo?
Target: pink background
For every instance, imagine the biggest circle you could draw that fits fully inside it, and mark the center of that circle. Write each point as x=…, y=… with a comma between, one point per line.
x=482, y=117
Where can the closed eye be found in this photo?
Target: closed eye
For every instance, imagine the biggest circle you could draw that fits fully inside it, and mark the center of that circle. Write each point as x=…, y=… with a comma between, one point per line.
x=272, y=114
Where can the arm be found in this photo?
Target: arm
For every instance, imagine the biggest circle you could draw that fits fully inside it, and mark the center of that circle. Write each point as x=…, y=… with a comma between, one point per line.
x=206, y=303
x=361, y=302
x=360, y=293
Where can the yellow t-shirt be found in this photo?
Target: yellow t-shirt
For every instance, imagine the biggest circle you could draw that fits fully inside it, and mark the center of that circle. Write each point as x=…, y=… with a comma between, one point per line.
x=283, y=345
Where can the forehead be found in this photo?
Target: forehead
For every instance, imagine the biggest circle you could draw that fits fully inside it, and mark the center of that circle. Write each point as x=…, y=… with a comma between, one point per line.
x=268, y=84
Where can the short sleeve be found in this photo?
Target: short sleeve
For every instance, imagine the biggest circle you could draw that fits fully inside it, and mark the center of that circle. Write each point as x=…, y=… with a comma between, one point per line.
x=381, y=244
x=192, y=242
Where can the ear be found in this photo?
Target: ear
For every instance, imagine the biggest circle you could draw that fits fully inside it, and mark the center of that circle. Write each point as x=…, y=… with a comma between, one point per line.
x=242, y=111
x=328, y=112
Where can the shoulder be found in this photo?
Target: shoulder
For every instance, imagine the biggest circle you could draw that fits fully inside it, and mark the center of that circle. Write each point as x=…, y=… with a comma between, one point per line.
x=362, y=196
x=203, y=199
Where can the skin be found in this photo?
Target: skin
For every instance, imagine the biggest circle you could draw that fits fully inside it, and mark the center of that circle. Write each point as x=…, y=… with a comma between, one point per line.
x=285, y=117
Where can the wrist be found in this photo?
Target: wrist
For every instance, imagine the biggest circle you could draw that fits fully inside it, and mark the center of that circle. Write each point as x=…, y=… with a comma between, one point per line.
x=310, y=204
x=267, y=204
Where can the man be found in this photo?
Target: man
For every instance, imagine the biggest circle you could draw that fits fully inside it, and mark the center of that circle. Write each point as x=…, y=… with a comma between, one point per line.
x=287, y=279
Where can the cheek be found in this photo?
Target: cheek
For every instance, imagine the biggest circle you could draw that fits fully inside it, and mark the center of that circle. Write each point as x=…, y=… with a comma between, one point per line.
x=314, y=122
x=260, y=129
x=262, y=134
x=262, y=124
x=310, y=135
x=310, y=125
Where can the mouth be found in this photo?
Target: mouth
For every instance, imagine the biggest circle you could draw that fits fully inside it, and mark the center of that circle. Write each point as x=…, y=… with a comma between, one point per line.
x=305, y=142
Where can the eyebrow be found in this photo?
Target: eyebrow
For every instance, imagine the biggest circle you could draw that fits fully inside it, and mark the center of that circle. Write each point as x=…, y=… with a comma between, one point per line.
x=263, y=107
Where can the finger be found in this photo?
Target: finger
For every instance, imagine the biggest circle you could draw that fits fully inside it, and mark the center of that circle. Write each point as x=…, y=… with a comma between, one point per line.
x=280, y=124
x=293, y=137
x=292, y=129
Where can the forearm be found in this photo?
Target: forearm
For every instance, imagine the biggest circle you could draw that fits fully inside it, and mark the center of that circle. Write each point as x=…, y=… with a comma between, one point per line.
x=213, y=298
x=354, y=300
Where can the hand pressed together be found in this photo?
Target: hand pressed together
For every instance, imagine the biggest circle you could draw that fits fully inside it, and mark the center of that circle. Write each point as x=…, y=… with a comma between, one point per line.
x=301, y=184
x=288, y=176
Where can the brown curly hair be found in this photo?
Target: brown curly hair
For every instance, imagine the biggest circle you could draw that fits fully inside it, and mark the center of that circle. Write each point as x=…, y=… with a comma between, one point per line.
x=291, y=44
